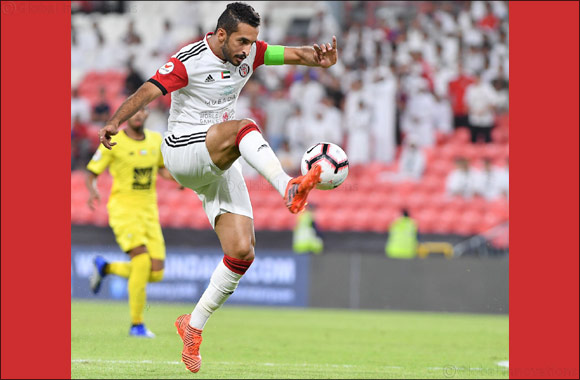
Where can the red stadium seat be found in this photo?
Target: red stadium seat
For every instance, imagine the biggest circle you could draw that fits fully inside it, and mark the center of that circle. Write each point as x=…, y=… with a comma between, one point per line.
x=461, y=136
x=457, y=204
x=426, y=220
x=477, y=204
x=445, y=222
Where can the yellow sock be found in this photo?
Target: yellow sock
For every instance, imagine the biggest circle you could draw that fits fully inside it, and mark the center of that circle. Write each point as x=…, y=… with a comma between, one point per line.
x=120, y=268
x=140, y=270
x=156, y=276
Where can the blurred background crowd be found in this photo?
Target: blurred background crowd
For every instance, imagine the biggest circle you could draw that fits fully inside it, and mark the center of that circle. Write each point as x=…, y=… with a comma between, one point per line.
x=418, y=100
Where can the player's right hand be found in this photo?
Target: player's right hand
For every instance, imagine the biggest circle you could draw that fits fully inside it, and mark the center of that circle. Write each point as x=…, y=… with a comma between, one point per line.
x=105, y=135
x=93, y=196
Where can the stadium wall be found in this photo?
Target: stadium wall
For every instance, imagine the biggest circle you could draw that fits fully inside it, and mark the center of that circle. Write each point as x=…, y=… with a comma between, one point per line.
x=352, y=273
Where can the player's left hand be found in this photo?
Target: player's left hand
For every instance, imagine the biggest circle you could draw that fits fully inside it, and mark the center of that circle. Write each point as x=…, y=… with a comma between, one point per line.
x=326, y=55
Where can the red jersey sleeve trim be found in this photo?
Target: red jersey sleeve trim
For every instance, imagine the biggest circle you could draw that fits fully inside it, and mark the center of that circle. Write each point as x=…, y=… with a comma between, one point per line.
x=261, y=47
x=170, y=77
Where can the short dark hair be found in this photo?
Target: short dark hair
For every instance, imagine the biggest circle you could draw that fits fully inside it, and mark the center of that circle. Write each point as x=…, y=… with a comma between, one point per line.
x=236, y=13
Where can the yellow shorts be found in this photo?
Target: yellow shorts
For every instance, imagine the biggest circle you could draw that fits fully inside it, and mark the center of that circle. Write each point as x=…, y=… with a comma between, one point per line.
x=133, y=229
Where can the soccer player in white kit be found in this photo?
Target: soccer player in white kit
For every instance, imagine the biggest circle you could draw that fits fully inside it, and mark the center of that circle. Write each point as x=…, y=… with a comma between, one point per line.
x=204, y=141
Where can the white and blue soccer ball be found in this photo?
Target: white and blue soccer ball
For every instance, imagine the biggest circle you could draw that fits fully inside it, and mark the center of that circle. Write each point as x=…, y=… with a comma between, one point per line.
x=333, y=161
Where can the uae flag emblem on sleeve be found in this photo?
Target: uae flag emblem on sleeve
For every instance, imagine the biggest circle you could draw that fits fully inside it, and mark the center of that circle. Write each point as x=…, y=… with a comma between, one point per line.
x=225, y=74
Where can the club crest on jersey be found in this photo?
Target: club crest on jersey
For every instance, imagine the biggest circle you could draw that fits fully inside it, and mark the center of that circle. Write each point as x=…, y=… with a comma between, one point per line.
x=244, y=69
x=167, y=68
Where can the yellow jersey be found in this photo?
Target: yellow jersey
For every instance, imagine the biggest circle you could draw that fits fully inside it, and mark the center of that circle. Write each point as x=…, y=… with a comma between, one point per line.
x=133, y=164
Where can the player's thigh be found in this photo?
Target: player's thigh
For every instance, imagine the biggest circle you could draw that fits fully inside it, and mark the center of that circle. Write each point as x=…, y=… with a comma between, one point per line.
x=221, y=142
x=236, y=235
x=129, y=231
x=227, y=193
x=156, y=244
x=189, y=161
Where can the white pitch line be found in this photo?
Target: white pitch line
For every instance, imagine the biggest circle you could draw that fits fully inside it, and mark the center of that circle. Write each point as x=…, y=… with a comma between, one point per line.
x=220, y=363
x=120, y=361
x=504, y=364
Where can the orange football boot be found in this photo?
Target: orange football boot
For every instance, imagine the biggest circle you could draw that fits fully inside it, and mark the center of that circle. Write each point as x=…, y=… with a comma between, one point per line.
x=299, y=187
x=192, y=339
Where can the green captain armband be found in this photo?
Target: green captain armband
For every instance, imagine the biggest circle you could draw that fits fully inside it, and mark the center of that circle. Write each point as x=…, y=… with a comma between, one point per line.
x=274, y=55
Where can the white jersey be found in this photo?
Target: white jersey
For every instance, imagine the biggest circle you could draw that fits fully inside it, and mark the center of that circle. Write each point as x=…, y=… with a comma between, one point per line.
x=204, y=87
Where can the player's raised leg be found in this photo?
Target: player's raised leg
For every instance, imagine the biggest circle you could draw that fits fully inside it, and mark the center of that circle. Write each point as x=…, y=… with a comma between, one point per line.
x=236, y=234
x=122, y=269
x=229, y=140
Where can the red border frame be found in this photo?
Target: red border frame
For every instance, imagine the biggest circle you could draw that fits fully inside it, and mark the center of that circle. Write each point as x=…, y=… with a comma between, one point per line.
x=35, y=189
x=544, y=189
x=36, y=198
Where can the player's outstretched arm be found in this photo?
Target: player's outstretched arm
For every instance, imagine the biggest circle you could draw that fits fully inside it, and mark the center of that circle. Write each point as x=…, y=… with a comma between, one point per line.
x=91, y=183
x=143, y=96
x=323, y=55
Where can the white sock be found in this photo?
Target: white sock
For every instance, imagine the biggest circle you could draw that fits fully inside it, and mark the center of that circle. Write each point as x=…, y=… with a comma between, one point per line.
x=261, y=157
x=222, y=284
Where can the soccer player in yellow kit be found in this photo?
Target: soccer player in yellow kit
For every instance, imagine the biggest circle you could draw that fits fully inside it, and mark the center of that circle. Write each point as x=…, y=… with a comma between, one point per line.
x=133, y=213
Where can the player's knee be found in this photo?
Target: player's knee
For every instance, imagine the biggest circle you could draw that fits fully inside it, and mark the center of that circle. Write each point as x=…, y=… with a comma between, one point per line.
x=156, y=275
x=244, y=123
x=140, y=250
x=242, y=250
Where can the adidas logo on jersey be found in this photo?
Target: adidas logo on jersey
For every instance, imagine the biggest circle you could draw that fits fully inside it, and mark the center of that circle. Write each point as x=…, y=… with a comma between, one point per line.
x=209, y=79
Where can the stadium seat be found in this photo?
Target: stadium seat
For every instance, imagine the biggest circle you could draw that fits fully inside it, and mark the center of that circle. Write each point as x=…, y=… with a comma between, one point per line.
x=324, y=218
x=101, y=217
x=500, y=207
x=445, y=221
x=457, y=204
x=461, y=136
x=490, y=220
x=426, y=220
x=477, y=204
x=440, y=167
x=340, y=221
x=416, y=201
x=469, y=223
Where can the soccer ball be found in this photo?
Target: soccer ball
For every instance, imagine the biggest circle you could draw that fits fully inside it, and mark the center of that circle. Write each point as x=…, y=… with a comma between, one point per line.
x=332, y=160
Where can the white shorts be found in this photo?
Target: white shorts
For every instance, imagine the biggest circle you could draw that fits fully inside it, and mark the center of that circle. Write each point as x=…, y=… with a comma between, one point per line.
x=221, y=191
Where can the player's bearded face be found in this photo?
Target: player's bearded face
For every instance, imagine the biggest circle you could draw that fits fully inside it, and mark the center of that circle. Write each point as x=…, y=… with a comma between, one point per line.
x=237, y=45
x=231, y=56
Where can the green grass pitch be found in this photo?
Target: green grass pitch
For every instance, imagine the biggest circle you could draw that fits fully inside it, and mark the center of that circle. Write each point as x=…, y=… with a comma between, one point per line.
x=283, y=343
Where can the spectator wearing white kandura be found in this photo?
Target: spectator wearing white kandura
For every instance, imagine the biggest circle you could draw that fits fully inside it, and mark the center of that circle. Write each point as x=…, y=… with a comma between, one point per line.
x=307, y=92
x=419, y=117
x=504, y=179
x=296, y=128
x=271, y=32
x=461, y=181
x=168, y=41
x=322, y=25
x=474, y=58
x=353, y=96
x=358, y=129
x=481, y=100
x=412, y=161
x=383, y=122
x=488, y=181
x=443, y=109
x=79, y=107
x=328, y=124
x=278, y=108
